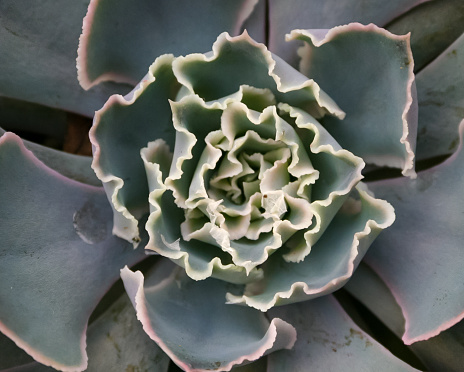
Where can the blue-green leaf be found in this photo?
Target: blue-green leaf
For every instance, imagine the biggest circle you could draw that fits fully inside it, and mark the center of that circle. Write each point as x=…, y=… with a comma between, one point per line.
x=420, y=257
x=328, y=340
x=440, y=90
x=75, y=167
x=121, y=129
x=116, y=341
x=440, y=353
x=369, y=73
x=191, y=322
x=331, y=262
x=38, y=41
x=58, y=257
x=120, y=40
x=288, y=15
x=433, y=25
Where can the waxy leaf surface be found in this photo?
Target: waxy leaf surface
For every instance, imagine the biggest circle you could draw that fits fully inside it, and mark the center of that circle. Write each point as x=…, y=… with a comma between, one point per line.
x=420, y=257
x=65, y=254
x=191, y=322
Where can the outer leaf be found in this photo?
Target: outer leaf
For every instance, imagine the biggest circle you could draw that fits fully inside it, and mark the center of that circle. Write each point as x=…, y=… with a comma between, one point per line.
x=286, y=16
x=72, y=166
x=191, y=323
x=434, y=25
x=331, y=262
x=441, y=101
x=420, y=256
x=369, y=73
x=444, y=352
x=368, y=287
x=46, y=300
x=38, y=41
x=119, y=39
x=328, y=340
x=117, y=342
x=75, y=167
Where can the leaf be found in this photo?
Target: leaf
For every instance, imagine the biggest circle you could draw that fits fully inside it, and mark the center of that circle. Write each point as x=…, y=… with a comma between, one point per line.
x=370, y=75
x=434, y=26
x=314, y=14
x=121, y=128
x=331, y=262
x=116, y=341
x=441, y=102
x=191, y=323
x=120, y=40
x=71, y=166
x=38, y=42
x=58, y=257
x=420, y=256
x=328, y=340
x=442, y=352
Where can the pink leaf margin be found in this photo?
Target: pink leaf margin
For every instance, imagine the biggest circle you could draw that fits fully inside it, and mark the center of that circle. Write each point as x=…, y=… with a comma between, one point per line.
x=280, y=335
x=409, y=115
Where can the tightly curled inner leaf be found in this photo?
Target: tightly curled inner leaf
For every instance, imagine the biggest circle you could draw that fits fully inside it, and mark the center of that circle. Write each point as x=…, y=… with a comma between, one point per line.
x=253, y=178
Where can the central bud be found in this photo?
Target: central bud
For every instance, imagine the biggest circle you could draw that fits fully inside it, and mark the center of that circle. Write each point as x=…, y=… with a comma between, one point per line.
x=251, y=186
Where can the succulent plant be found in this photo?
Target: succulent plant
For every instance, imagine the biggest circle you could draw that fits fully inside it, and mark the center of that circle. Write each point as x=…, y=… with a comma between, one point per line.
x=232, y=199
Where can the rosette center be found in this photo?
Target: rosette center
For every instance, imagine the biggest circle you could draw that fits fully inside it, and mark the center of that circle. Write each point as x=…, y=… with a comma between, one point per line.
x=251, y=184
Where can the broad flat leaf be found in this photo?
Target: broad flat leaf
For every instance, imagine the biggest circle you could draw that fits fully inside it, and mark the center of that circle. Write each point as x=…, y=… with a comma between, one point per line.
x=38, y=41
x=120, y=40
x=58, y=257
x=444, y=352
x=368, y=287
x=420, y=257
x=362, y=68
x=288, y=15
x=440, y=89
x=116, y=341
x=328, y=340
x=72, y=166
x=434, y=25
x=191, y=322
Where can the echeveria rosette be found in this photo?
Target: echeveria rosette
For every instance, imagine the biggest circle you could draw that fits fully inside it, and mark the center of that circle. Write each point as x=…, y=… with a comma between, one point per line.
x=247, y=187
x=34, y=71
